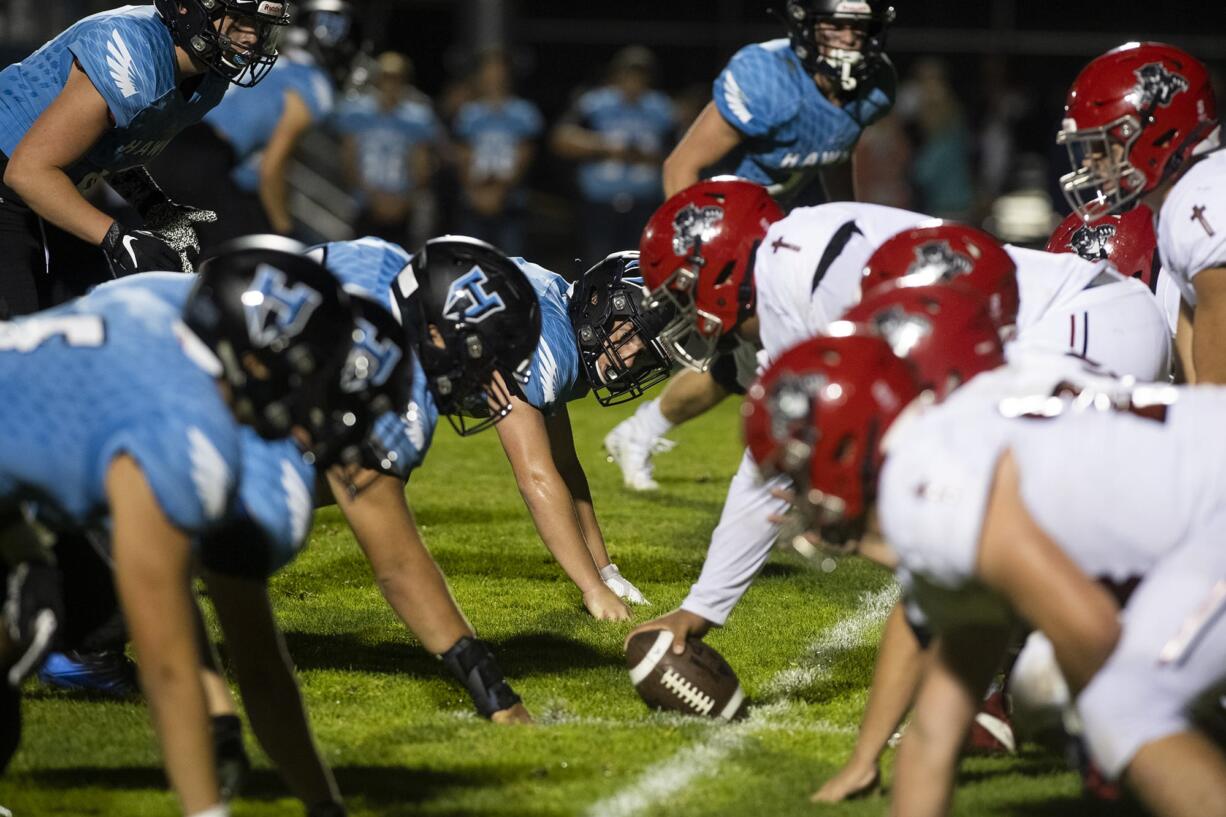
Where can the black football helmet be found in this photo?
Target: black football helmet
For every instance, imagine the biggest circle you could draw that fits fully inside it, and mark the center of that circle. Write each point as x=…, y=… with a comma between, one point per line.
x=195, y=30
x=476, y=324
x=282, y=329
x=330, y=32
x=847, y=68
x=375, y=379
x=611, y=325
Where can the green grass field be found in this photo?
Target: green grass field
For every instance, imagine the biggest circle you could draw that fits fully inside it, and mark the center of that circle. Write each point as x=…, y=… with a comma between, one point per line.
x=402, y=737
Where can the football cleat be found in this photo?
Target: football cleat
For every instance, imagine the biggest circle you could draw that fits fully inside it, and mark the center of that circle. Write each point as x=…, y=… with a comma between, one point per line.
x=108, y=673
x=632, y=450
x=992, y=730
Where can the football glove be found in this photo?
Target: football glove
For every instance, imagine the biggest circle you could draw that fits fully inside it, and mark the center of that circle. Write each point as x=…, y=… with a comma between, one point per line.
x=131, y=251
x=175, y=224
x=620, y=585
x=33, y=610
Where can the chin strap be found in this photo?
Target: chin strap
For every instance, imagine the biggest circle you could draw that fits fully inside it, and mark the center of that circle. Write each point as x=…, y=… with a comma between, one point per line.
x=473, y=664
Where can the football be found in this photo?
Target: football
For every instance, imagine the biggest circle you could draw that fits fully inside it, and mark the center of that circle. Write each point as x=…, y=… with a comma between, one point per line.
x=697, y=682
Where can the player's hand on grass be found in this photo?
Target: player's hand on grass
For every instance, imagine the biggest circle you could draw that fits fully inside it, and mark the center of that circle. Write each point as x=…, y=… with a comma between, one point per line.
x=851, y=781
x=682, y=624
x=620, y=585
x=517, y=713
x=604, y=605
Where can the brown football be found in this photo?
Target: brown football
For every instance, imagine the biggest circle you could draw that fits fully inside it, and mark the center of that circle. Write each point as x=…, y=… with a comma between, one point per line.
x=697, y=682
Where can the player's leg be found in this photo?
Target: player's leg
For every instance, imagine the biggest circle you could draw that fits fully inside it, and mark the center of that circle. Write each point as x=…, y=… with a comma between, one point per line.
x=22, y=255
x=1136, y=710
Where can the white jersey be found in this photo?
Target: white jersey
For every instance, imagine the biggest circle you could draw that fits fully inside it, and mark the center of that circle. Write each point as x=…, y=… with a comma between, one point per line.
x=1192, y=223
x=1114, y=490
x=1087, y=308
x=808, y=268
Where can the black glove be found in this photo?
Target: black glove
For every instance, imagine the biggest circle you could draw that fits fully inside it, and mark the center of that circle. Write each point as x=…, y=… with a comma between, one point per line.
x=33, y=610
x=169, y=221
x=130, y=251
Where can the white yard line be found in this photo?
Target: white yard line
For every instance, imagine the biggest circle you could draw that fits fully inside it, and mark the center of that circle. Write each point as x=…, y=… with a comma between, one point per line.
x=668, y=777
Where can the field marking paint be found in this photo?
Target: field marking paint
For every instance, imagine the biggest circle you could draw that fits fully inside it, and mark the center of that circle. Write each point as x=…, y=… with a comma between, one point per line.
x=667, y=778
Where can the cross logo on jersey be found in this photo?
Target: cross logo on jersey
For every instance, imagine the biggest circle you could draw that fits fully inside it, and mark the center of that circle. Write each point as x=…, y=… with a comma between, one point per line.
x=274, y=310
x=1198, y=214
x=937, y=261
x=901, y=329
x=1091, y=242
x=467, y=299
x=1156, y=85
x=694, y=225
x=371, y=359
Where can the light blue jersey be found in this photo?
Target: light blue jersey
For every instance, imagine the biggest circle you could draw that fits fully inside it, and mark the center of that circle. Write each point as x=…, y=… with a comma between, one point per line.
x=495, y=132
x=556, y=375
x=114, y=373
x=791, y=129
x=368, y=267
x=646, y=123
x=130, y=59
x=385, y=139
x=276, y=484
x=247, y=117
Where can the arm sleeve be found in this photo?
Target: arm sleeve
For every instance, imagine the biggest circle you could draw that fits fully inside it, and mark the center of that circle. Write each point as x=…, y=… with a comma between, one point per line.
x=753, y=93
x=277, y=496
x=190, y=467
x=120, y=64
x=400, y=441
x=740, y=544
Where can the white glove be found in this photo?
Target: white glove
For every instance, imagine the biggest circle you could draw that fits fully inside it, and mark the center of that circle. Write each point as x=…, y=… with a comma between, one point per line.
x=620, y=585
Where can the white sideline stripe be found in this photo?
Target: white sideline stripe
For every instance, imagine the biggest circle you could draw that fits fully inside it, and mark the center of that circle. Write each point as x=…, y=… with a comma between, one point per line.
x=664, y=640
x=665, y=779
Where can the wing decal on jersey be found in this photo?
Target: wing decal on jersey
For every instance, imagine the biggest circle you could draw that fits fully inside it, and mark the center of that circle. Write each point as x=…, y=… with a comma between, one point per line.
x=123, y=69
x=549, y=372
x=833, y=250
x=210, y=474
x=297, y=501
x=735, y=97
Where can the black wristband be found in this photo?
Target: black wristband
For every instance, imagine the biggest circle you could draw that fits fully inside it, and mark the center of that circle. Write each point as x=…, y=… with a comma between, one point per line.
x=111, y=239
x=473, y=664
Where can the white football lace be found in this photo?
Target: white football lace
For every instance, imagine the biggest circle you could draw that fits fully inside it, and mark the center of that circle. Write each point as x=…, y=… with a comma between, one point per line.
x=683, y=689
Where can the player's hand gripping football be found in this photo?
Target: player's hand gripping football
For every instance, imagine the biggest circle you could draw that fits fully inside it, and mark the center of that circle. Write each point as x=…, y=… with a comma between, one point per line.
x=682, y=623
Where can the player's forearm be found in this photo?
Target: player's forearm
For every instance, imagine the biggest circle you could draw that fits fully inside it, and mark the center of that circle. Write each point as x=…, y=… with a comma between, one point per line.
x=274, y=196
x=678, y=172
x=557, y=522
x=577, y=143
x=51, y=194
x=896, y=678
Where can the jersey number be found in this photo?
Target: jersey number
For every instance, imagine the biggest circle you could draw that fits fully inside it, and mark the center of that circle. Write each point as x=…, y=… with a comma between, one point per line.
x=28, y=334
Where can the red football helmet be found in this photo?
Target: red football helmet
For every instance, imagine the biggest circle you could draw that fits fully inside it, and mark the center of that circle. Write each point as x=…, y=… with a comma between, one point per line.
x=948, y=251
x=696, y=257
x=1126, y=240
x=1132, y=118
x=818, y=415
x=943, y=330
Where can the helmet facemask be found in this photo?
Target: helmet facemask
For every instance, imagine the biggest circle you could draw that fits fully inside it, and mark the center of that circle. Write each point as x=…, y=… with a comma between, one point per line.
x=689, y=334
x=472, y=389
x=625, y=356
x=1102, y=180
x=210, y=29
x=817, y=38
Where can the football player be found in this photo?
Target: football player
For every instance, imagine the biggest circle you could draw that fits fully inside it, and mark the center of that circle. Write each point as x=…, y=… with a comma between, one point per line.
x=124, y=411
x=721, y=257
x=236, y=160
x=782, y=113
x=1127, y=242
x=96, y=103
x=594, y=343
x=980, y=506
x=1140, y=124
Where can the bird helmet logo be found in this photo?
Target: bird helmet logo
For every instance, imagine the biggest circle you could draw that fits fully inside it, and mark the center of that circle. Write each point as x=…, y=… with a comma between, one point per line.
x=938, y=261
x=1156, y=86
x=371, y=359
x=1091, y=242
x=694, y=225
x=901, y=329
x=468, y=301
x=274, y=310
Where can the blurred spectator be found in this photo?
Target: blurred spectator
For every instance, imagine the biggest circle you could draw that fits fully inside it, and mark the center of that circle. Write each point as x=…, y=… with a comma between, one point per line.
x=619, y=134
x=1004, y=105
x=388, y=140
x=495, y=135
x=882, y=164
x=941, y=172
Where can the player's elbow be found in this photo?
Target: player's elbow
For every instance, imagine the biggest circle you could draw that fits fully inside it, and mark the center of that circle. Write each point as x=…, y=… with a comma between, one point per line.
x=18, y=173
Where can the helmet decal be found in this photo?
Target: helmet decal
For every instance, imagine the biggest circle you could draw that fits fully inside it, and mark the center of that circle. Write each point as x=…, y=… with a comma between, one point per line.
x=275, y=311
x=792, y=400
x=371, y=361
x=694, y=225
x=938, y=260
x=1091, y=242
x=467, y=299
x=1156, y=85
